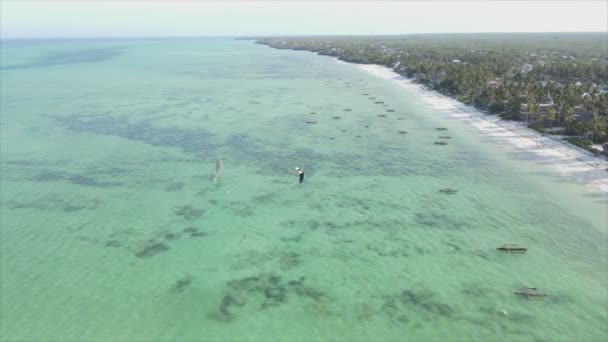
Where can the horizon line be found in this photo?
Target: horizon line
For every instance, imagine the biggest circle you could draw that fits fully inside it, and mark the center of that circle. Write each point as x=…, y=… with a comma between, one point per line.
x=283, y=35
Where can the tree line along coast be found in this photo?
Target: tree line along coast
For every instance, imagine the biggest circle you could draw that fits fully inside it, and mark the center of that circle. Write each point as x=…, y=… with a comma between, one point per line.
x=557, y=83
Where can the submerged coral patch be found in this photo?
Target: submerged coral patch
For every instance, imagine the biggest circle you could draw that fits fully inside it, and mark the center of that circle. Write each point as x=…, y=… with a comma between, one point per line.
x=152, y=250
x=174, y=186
x=192, y=141
x=67, y=57
x=77, y=179
x=189, y=212
x=112, y=243
x=171, y=236
x=265, y=291
x=423, y=299
x=190, y=230
x=182, y=284
x=437, y=220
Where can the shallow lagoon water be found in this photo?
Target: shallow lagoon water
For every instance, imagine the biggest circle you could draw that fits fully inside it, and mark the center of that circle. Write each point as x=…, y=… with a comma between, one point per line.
x=112, y=230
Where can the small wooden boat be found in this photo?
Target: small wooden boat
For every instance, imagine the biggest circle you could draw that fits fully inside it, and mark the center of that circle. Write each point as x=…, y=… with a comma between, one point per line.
x=441, y=129
x=440, y=143
x=512, y=248
x=531, y=293
x=311, y=122
x=445, y=137
x=448, y=190
x=390, y=110
x=381, y=115
x=402, y=132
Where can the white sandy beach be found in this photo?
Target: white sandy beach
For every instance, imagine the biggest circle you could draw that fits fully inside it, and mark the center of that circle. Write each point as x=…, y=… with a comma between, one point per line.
x=569, y=160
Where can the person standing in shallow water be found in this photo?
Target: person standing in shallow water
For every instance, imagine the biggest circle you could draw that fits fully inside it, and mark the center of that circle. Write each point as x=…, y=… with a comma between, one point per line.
x=301, y=173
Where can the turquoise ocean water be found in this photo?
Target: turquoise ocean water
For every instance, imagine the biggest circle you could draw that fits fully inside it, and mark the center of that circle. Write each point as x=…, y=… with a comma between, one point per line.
x=111, y=230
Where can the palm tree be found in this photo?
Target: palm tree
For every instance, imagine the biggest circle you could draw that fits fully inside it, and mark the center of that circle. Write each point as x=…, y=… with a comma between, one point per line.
x=569, y=117
x=551, y=115
x=598, y=126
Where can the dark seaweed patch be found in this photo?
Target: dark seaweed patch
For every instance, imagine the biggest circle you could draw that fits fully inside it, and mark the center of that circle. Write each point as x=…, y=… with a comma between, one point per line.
x=197, y=234
x=424, y=299
x=112, y=243
x=174, y=186
x=390, y=110
x=437, y=220
x=265, y=198
x=455, y=247
x=240, y=208
x=190, y=230
x=152, y=250
x=312, y=113
x=182, y=284
x=192, y=141
x=171, y=236
x=347, y=110
x=229, y=301
x=336, y=117
x=52, y=202
x=57, y=176
x=71, y=208
x=68, y=57
x=382, y=115
x=289, y=261
x=475, y=290
x=295, y=239
x=402, y=132
x=189, y=212
x=305, y=291
x=311, y=122
x=389, y=306
x=267, y=289
x=274, y=295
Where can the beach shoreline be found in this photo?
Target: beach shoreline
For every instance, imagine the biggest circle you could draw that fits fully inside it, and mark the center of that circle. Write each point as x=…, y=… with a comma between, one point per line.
x=568, y=160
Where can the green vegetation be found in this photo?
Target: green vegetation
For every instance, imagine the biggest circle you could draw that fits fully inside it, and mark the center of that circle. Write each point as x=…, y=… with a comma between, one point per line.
x=583, y=143
x=549, y=79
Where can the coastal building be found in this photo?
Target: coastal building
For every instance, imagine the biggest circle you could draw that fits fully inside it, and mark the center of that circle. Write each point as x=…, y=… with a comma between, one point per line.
x=494, y=84
x=526, y=68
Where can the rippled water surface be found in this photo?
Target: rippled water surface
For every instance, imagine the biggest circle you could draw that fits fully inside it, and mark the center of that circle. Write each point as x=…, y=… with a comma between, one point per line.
x=112, y=230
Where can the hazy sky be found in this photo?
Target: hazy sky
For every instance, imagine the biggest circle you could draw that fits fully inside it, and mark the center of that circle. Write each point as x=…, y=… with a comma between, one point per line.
x=86, y=18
